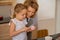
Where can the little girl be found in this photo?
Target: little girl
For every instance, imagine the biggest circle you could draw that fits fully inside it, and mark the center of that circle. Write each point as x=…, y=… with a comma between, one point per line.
x=18, y=22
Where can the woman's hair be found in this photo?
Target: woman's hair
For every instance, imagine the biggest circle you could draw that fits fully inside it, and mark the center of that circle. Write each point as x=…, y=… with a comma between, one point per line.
x=32, y=3
x=29, y=1
x=18, y=8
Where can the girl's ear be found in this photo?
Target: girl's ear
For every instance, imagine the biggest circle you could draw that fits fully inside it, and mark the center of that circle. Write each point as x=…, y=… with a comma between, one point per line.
x=15, y=12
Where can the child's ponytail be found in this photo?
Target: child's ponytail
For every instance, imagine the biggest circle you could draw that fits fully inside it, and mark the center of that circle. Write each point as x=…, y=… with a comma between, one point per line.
x=13, y=15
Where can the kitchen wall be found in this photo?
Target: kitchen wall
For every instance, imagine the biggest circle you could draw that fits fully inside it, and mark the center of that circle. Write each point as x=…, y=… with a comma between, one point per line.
x=46, y=9
x=58, y=16
x=5, y=10
x=46, y=15
x=20, y=1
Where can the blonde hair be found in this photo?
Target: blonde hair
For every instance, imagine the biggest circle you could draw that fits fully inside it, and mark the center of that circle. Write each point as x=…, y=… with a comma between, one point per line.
x=18, y=8
x=32, y=3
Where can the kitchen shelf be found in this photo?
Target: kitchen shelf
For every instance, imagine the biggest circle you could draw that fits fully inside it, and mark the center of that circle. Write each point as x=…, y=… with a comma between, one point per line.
x=5, y=2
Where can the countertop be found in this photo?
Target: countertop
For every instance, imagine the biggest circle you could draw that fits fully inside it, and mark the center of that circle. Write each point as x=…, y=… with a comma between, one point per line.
x=5, y=20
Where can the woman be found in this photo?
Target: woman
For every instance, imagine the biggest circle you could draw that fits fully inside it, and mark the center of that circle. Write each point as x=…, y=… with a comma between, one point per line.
x=32, y=8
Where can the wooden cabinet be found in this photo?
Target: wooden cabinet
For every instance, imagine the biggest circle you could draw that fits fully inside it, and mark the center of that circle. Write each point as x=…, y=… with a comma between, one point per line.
x=34, y=34
x=7, y=2
x=4, y=32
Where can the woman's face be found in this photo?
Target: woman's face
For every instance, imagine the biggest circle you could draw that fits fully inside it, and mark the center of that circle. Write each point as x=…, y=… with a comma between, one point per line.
x=30, y=12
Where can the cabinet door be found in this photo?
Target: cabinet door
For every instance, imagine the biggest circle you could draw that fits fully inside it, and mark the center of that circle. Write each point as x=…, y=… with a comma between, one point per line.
x=5, y=2
x=4, y=32
x=34, y=34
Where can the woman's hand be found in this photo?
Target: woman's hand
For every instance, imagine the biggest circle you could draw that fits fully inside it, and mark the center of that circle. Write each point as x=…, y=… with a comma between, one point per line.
x=32, y=28
x=26, y=29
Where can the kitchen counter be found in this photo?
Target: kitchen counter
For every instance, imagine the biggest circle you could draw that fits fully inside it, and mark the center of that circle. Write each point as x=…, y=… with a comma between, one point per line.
x=5, y=20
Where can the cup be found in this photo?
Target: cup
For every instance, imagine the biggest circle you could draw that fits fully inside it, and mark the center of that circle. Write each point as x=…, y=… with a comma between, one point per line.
x=48, y=38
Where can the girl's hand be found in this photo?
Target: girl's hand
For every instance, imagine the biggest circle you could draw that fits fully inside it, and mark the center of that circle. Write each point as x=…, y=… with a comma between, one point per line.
x=32, y=28
x=26, y=29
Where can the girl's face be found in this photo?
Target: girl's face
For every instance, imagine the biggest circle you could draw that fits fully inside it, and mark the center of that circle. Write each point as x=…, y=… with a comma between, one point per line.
x=30, y=12
x=22, y=14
